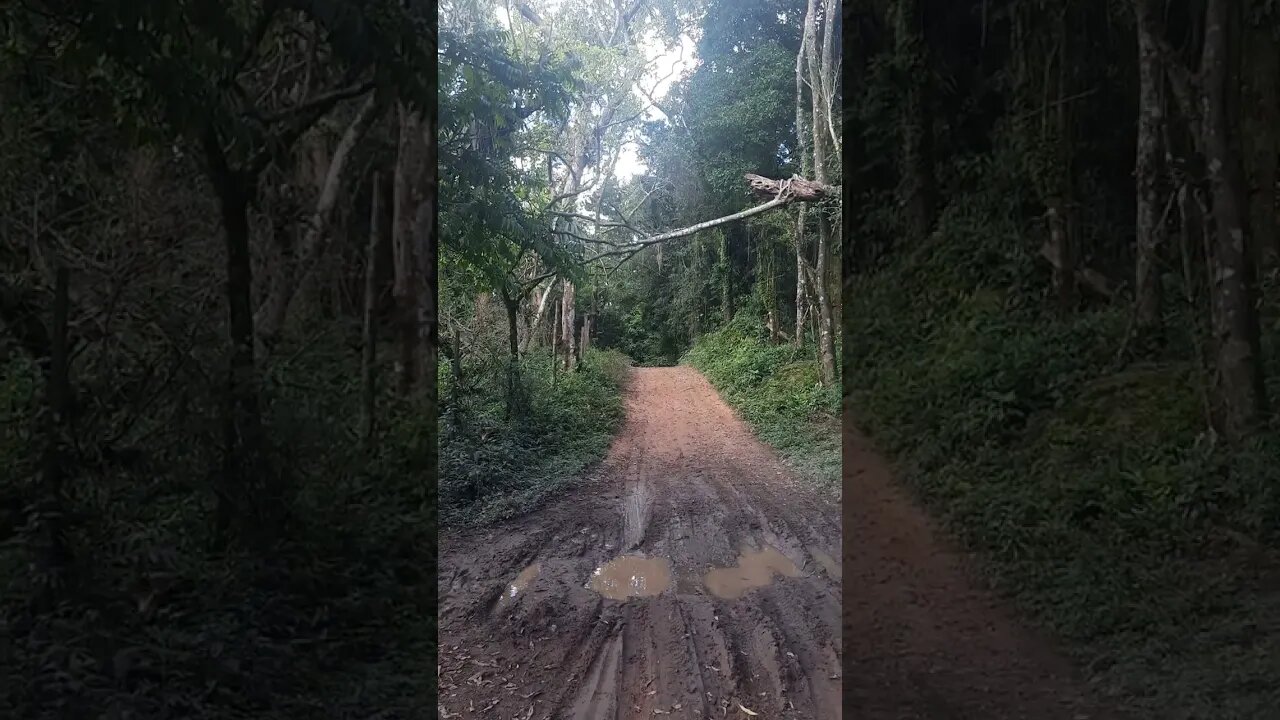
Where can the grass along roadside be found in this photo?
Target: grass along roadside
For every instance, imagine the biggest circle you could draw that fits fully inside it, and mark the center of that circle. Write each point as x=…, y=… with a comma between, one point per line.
x=1088, y=488
x=775, y=389
x=493, y=469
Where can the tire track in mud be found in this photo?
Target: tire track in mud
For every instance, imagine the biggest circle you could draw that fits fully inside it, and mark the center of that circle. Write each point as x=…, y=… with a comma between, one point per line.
x=685, y=482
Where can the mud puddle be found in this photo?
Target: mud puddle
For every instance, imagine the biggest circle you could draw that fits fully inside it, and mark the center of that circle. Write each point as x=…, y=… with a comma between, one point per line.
x=755, y=569
x=522, y=581
x=631, y=576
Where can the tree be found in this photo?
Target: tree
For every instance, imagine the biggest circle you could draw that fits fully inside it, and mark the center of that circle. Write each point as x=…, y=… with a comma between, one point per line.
x=191, y=72
x=1150, y=221
x=1203, y=99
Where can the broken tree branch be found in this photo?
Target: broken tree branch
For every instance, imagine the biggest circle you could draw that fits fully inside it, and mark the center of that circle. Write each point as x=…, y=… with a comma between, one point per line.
x=784, y=192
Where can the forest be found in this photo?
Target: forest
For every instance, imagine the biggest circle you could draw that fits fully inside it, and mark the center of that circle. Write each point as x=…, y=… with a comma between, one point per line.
x=627, y=185
x=217, y=307
x=1061, y=318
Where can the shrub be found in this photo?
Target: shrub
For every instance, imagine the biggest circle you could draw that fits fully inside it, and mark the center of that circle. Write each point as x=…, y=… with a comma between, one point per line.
x=776, y=389
x=492, y=467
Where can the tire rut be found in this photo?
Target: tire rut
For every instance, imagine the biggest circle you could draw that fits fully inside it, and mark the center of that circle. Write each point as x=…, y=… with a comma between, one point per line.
x=684, y=482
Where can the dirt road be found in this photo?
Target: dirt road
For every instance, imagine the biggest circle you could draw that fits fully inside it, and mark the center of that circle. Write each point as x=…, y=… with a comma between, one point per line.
x=693, y=577
x=927, y=643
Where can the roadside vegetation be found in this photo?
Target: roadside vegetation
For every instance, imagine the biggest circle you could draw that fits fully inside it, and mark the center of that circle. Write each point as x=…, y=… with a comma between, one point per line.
x=776, y=389
x=493, y=469
x=1032, y=339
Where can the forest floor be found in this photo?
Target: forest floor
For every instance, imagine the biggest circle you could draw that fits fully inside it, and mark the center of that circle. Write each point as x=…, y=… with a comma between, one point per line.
x=694, y=576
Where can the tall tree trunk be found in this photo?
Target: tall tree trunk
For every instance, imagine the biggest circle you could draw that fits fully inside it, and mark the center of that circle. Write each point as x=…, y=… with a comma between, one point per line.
x=726, y=278
x=271, y=317
x=511, y=302
x=244, y=493
x=802, y=131
x=819, y=114
x=368, y=358
x=427, y=237
x=1241, y=394
x=1261, y=136
x=54, y=554
x=800, y=289
x=409, y=280
x=512, y=305
x=536, y=323
x=568, y=331
x=1061, y=201
x=918, y=188
x=1150, y=227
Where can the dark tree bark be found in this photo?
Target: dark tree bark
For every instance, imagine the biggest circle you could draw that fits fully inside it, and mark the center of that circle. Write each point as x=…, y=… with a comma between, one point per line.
x=285, y=281
x=511, y=302
x=428, y=242
x=1261, y=137
x=368, y=357
x=918, y=188
x=410, y=281
x=1241, y=395
x=243, y=435
x=55, y=553
x=1150, y=227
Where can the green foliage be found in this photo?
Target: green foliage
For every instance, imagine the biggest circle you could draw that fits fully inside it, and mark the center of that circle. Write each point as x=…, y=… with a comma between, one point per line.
x=1091, y=490
x=775, y=389
x=155, y=625
x=491, y=468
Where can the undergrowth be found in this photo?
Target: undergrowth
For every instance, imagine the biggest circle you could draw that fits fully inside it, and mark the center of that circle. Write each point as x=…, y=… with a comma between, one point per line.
x=775, y=388
x=492, y=467
x=1088, y=484
x=333, y=618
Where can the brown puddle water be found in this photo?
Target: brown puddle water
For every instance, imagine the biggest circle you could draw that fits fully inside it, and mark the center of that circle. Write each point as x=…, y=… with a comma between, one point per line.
x=755, y=569
x=521, y=582
x=631, y=576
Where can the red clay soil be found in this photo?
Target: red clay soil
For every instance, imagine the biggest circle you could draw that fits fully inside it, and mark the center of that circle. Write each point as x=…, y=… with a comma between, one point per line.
x=687, y=487
x=692, y=577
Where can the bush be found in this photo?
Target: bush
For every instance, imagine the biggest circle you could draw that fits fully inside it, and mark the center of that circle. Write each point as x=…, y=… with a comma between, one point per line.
x=492, y=467
x=1090, y=487
x=776, y=389
x=153, y=623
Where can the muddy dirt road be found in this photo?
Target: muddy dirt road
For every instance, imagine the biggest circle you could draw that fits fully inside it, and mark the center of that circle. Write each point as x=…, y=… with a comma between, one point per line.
x=692, y=577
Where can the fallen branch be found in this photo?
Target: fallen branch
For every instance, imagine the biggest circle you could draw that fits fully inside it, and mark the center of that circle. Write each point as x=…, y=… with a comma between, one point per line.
x=782, y=192
x=794, y=188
